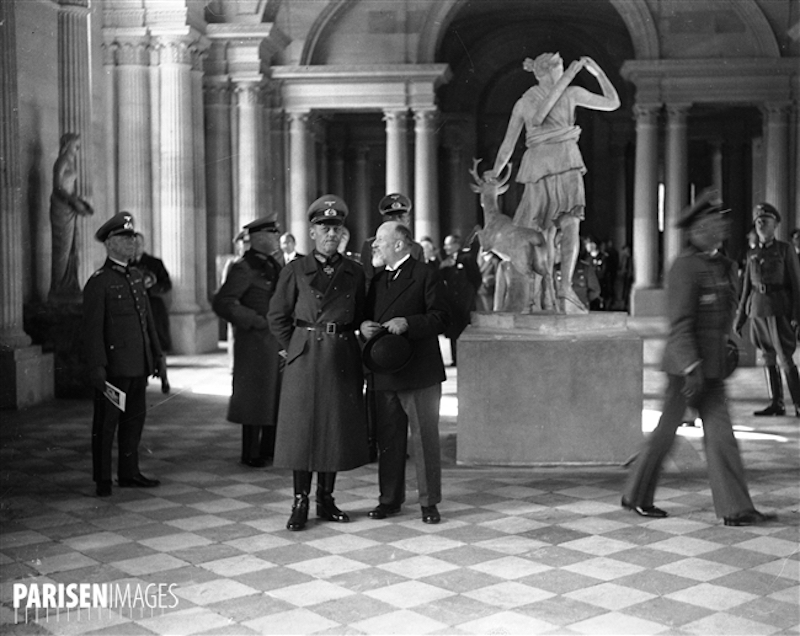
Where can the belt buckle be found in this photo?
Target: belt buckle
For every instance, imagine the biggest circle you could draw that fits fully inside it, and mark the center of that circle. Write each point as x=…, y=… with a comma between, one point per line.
x=762, y=288
x=330, y=327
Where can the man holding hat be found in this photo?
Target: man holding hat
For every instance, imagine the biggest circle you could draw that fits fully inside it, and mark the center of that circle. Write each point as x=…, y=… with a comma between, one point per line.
x=120, y=347
x=243, y=300
x=316, y=308
x=701, y=299
x=392, y=207
x=405, y=299
x=771, y=299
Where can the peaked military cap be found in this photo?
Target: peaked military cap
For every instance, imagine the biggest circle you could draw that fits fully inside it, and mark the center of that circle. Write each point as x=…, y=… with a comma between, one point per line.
x=765, y=209
x=121, y=224
x=394, y=204
x=328, y=209
x=709, y=202
x=264, y=224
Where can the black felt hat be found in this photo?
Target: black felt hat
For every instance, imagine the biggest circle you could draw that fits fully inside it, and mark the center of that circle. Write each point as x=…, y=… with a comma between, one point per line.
x=264, y=224
x=386, y=352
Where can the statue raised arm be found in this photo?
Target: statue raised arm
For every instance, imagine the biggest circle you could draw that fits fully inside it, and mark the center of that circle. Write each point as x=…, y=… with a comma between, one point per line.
x=552, y=167
x=65, y=208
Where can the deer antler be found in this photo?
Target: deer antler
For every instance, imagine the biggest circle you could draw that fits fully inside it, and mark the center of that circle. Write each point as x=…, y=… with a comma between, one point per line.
x=474, y=171
x=501, y=179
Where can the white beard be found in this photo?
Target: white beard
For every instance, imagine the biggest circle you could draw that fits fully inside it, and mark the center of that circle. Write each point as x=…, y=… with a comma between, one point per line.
x=377, y=260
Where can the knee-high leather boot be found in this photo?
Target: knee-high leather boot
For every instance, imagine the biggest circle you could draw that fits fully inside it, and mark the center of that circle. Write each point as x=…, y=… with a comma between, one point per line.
x=775, y=388
x=326, y=508
x=302, y=486
x=793, y=380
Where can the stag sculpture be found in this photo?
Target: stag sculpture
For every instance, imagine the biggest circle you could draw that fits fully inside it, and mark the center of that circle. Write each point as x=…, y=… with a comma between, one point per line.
x=524, y=248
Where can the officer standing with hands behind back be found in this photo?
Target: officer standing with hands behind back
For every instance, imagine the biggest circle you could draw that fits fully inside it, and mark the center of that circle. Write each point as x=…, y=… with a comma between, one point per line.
x=120, y=346
x=771, y=299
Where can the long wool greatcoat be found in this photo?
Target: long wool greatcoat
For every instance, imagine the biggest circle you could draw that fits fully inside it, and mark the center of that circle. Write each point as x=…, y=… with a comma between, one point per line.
x=243, y=300
x=321, y=422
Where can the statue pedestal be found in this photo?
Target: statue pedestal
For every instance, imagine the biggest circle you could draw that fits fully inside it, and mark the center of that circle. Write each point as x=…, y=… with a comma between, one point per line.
x=547, y=389
x=27, y=377
x=56, y=327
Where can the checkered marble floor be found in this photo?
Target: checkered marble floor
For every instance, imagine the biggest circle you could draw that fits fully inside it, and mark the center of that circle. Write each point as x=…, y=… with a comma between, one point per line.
x=519, y=551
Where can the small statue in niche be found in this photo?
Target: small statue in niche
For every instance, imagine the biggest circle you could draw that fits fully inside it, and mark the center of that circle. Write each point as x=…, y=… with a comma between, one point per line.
x=65, y=208
x=552, y=167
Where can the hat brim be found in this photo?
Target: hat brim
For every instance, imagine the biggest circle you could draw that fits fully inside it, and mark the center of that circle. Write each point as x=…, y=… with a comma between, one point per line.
x=401, y=352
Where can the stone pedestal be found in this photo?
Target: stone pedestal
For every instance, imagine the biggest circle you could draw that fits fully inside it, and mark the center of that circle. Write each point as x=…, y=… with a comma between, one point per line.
x=57, y=330
x=27, y=377
x=547, y=389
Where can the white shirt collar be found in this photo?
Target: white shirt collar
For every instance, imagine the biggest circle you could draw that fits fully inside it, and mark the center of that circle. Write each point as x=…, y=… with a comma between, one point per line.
x=122, y=263
x=397, y=265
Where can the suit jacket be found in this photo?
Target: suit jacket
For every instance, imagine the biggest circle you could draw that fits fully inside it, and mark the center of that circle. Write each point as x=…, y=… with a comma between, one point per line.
x=701, y=300
x=461, y=278
x=280, y=257
x=118, y=329
x=416, y=295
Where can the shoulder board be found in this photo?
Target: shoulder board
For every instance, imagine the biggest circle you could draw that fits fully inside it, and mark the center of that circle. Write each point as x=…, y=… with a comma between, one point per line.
x=97, y=273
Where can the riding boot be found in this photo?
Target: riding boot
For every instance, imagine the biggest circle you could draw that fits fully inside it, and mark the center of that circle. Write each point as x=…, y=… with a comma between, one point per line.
x=793, y=381
x=302, y=486
x=326, y=508
x=775, y=388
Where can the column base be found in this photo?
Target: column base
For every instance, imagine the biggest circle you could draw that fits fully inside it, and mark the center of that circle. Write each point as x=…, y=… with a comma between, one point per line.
x=27, y=377
x=649, y=302
x=194, y=333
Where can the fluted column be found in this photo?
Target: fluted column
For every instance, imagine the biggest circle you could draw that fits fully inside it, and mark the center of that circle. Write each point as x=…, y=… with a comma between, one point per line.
x=426, y=204
x=134, y=150
x=645, y=198
x=278, y=158
x=219, y=172
x=177, y=173
x=677, y=181
x=359, y=207
x=247, y=156
x=201, y=261
x=12, y=335
x=74, y=108
x=110, y=71
x=716, y=165
x=299, y=186
x=396, y=151
x=776, y=134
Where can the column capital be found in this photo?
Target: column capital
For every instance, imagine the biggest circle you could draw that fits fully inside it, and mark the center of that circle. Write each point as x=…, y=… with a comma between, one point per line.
x=74, y=7
x=298, y=116
x=776, y=110
x=173, y=51
x=646, y=114
x=395, y=115
x=677, y=110
x=109, y=50
x=217, y=91
x=134, y=52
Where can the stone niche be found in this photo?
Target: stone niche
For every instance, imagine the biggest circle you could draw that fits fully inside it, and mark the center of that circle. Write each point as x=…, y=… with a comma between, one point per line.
x=549, y=389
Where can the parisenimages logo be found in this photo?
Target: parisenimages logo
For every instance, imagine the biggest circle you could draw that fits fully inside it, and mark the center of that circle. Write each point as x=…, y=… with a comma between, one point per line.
x=83, y=601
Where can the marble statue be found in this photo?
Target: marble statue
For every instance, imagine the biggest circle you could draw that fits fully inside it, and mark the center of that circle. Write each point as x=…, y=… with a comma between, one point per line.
x=65, y=208
x=552, y=168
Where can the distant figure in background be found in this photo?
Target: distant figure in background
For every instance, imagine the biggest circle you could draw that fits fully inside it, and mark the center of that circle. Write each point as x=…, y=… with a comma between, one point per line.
x=771, y=299
x=795, y=237
x=65, y=208
x=461, y=279
x=612, y=265
x=430, y=253
x=120, y=347
x=623, y=280
x=288, y=249
x=599, y=262
x=487, y=264
x=584, y=280
x=243, y=300
x=158, y=285
x=353, y=256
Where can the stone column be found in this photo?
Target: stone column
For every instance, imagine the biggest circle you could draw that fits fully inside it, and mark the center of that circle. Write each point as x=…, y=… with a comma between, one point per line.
x=645, y=208
x=110, y=123
x=201, y=261
x=219, y=173
x=716, y=165
x=27, y=374
x=619, y=212
x=278, y=172
x=134, y=151
x=74, y=109
x=396, y=151
x=677, y=181
x=359, y=207
x=426, y=200
x=249, y=207
x=299, y=187
x=776, y=134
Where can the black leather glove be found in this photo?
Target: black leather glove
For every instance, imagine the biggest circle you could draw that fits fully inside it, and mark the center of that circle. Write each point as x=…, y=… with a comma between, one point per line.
x=161, y=372
x=693, y=385
x=97, y=378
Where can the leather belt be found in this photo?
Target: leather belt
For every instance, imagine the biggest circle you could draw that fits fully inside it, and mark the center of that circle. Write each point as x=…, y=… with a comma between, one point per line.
x=766, y=288
x=327, y=327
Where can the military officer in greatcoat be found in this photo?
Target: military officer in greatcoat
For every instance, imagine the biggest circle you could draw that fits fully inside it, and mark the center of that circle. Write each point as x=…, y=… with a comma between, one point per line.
x=243, y=300
x=701, y=299
x=771, y=299
x=316, y=308
x=120, y=347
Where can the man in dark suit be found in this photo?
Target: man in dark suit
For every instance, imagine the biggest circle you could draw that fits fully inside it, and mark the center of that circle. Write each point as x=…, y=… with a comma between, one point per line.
x=120, y=346
x=158, y=285
x=393, y=207
x=288, y=251
x=405, y=298
x=461, y=278
x=701, y=299
x=243, y=300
